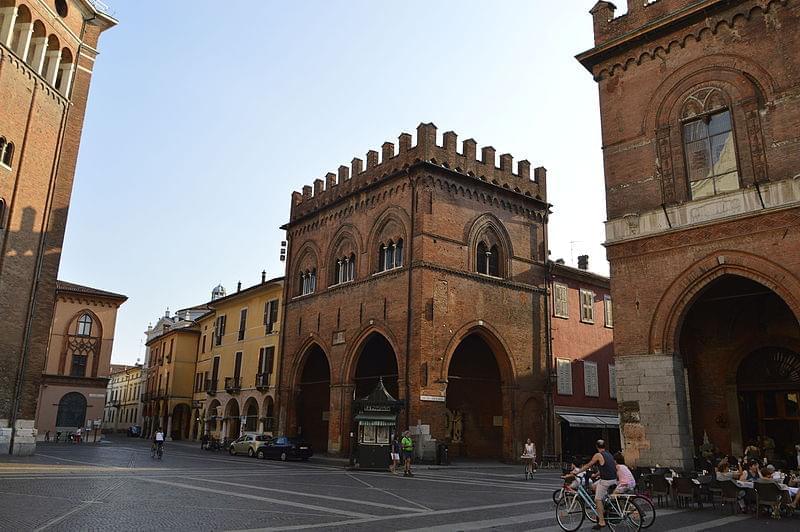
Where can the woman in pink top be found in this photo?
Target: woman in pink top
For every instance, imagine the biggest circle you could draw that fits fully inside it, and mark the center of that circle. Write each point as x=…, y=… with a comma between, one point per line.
x=625, y=481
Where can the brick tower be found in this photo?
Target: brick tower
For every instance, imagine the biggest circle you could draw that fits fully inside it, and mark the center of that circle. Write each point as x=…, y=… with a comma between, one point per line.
x=424, y=268
x=700, y=106
x=47, y=53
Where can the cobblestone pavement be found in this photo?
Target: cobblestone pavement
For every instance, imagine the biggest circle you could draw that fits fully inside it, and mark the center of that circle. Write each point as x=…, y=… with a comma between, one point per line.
x=118, y=486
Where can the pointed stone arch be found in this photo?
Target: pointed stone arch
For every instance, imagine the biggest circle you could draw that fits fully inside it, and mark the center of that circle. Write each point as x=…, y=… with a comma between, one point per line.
x=488, y=231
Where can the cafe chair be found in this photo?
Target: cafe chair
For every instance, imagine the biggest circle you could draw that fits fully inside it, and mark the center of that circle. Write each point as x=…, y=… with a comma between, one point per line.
x=767, y=494
x=659, y=487
x=729, y=494
x=684, y=492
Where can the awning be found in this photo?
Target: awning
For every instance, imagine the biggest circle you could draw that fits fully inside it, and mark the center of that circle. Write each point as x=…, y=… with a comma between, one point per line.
x=596, y=421
x=373, y=419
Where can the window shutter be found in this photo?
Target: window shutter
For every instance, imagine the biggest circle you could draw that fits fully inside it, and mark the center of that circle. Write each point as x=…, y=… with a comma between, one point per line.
x=269, y=360
x=609, y=311
x=564, y=377
x=612, y=381
x=590, y=379
x=560, y=303
x=260, y=361
x=273, y=312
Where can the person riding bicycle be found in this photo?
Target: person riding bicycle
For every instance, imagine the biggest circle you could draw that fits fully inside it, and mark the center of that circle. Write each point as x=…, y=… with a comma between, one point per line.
x=608, y=478
x=158, y=441
x=626, y=481
x=529, y=456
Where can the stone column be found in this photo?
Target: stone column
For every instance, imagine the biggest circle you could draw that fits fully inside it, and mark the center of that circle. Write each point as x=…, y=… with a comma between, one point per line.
x=66, y=78
x=168, y=435
x=37, y=49
x=651, y=391
x=53, y=59
x=24, y=31
x=7, y=29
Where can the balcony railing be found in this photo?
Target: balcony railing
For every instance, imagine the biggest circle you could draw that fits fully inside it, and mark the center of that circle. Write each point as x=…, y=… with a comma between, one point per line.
x=233, y=384
x=262, y=380
x=211, y=386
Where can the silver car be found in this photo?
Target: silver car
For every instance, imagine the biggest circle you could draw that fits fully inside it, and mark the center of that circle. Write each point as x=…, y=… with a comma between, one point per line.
x=248, y=444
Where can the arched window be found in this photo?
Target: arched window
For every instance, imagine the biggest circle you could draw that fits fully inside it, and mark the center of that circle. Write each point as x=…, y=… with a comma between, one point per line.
x=7, y=150
x=398, y=254
x=382, y=258
x=389, y=264
x=708, y=144
x=351, y=267
x=85, y=325
x=487, y=259
x=308, y=282
x=2, y=213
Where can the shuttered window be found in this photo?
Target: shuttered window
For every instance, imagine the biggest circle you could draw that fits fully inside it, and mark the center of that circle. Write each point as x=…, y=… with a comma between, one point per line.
x=609, y=314
x=560, y=305
x=564, y=368
x=590, y=387
x=587, y=306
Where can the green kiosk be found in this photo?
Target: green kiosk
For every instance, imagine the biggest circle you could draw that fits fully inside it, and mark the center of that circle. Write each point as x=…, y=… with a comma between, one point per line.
x=376, y=416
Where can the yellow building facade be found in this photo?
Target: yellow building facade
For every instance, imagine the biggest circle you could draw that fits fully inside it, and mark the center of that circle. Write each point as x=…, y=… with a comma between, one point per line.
x=123, y=399
x=235, y=379
x=168, y=396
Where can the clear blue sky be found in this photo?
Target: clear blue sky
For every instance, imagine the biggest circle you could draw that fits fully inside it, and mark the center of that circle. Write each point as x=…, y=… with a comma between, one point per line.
x=205, y=115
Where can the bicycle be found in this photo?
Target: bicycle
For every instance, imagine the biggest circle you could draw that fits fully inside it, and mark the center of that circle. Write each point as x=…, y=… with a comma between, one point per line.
x=157, y=450
x=621, y=511
x=530, y=466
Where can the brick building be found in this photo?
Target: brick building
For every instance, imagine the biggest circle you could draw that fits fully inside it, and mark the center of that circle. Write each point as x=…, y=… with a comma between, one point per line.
x=47, y=54
x=700, y=102
x=425, y=268
x=585, y=398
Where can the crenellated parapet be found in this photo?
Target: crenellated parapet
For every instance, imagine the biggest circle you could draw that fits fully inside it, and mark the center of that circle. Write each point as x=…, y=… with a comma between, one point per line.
x=358, y=176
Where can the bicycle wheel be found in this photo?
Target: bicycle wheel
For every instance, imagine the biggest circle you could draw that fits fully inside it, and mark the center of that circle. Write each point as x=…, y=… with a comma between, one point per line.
x=624, y=515
x=646, y=510
x=557, y=494
x=569, y=512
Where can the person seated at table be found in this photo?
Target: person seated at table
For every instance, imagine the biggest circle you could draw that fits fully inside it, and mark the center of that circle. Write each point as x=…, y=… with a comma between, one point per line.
x=724, y=471
x=626, y=483
x=752, y=452
x=751, y=473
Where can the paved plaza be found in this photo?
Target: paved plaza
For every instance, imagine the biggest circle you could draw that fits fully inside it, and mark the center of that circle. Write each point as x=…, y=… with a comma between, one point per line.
x=118, y=486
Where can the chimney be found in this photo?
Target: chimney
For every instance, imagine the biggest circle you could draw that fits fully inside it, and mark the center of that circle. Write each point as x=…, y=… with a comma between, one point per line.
x=239, y=286
x=166, y=313
x=263, y=276
x=583, y=262
x=560, y=261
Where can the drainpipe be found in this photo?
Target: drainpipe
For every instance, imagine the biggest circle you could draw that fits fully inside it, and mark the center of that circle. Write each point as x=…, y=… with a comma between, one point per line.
x=548, y=389
x=287, y=282
x=413, y=183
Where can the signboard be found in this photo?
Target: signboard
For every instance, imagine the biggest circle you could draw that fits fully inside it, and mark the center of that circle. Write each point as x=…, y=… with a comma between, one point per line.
x=497, y=421
x=96, y=423
x=98, y=395
x=432, y=398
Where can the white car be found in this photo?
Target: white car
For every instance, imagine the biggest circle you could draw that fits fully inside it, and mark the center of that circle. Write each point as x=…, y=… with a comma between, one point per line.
x=248, y=444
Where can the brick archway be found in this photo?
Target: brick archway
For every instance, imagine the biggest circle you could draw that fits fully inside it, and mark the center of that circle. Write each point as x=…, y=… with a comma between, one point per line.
x=492, y=337
x=679, y=296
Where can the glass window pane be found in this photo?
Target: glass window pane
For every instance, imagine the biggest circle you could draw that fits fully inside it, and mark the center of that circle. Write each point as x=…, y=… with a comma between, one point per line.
x=696, y=130
x=723, y=153
x=727, y=182
x=702, y=188
x=720, y=122
x=698, y=160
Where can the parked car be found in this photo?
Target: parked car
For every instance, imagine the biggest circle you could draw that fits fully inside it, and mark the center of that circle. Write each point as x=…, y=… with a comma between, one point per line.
x=248, y=444
x=285, y=448
x=134, y=431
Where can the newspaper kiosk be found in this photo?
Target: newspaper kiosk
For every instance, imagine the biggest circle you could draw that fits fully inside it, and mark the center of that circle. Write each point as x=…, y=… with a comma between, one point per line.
x=376, y=416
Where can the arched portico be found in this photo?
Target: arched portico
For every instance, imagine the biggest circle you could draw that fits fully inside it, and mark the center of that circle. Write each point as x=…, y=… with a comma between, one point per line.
x=213, y=418
x=313, y=397
x=480, y=394
x=179, y=422
x=232, y=426
x=250, y=412
x=738, y=342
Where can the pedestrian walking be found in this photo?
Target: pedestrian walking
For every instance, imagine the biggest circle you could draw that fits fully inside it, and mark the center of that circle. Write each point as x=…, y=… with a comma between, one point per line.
x=394, y=453
x=204, y=440
x=78, y=435
x=47, y=436
x=407, y=444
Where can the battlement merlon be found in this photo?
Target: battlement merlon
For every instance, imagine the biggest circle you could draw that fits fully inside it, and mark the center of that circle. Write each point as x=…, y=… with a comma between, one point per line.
x=347, y=181
x=613, y=34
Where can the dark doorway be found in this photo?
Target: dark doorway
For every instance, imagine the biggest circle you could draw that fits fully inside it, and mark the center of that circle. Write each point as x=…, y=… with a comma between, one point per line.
x=743, y=380
x=180, y=422
x=234, y=423
x=474, y=395
x=377, y=360
x=251, y=411
x=313, y=401
x=71, y=411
